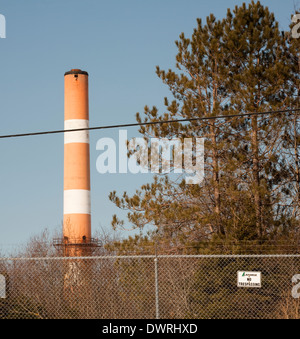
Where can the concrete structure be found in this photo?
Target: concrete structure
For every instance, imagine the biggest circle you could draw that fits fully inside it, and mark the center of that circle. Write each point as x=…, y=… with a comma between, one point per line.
x=77, y=201
x=77, y=234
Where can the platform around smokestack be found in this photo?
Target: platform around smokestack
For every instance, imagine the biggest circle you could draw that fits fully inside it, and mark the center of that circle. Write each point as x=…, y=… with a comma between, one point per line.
x=84, y=246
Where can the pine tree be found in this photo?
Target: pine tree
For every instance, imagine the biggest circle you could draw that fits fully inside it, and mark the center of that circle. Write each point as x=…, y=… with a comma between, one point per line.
x=236, y=65
x=199, y=91
x=291, y=135
x=259, y=82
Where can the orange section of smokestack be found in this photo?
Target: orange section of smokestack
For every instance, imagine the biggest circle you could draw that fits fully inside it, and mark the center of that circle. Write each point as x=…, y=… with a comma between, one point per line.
x=77, y=201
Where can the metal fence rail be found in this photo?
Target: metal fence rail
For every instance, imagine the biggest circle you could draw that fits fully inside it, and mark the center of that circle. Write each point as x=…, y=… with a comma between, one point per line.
x=148, y=287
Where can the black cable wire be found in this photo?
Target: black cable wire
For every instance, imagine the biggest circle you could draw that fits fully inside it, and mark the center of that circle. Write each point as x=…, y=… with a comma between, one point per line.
x=149, y=123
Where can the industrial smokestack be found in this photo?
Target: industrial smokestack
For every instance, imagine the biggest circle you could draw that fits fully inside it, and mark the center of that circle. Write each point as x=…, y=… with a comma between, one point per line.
x=77, y=199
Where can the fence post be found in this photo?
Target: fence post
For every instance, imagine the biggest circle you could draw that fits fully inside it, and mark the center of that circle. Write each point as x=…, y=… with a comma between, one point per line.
x=156, y=284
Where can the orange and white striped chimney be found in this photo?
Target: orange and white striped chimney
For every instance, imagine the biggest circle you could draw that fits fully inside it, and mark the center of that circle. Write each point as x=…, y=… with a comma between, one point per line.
x=77, y=198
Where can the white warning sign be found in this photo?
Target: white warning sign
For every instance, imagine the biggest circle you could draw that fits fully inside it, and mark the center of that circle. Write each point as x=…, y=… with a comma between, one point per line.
x=249, y=279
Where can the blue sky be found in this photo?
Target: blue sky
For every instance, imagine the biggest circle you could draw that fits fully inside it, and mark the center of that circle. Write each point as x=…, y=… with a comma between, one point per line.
x=119, y=42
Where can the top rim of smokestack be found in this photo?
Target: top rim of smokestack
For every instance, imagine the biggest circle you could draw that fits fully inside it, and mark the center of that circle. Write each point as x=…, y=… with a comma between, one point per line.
x=76, y=71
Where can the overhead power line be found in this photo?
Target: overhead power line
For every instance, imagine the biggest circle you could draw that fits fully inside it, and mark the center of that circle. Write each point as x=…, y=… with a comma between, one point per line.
x=159, y=122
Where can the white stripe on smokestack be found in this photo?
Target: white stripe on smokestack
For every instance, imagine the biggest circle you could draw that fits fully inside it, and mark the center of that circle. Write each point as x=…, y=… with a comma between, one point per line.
x=77, y=197
x=77, y=202
x=77, y=137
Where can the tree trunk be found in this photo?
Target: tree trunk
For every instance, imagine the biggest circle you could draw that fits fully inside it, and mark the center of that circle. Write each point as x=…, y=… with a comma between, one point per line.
x=216, y=180
x=297, y=167
x=256, y=176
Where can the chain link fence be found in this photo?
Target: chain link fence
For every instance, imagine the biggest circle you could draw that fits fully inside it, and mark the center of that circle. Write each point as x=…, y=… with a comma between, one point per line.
x=148, y=287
